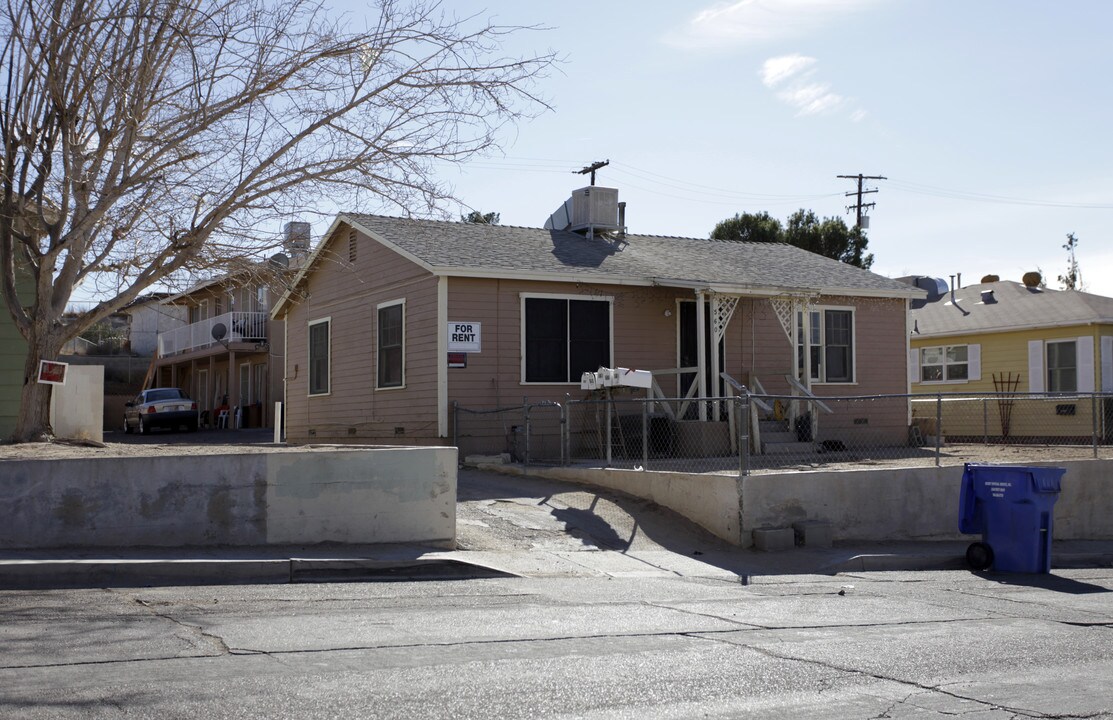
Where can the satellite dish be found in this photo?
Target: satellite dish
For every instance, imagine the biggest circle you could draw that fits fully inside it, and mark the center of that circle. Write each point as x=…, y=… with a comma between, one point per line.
x=280, y=260
x=219, y=331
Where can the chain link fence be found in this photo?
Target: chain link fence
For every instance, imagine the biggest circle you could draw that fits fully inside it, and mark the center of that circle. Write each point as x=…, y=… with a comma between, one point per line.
x=527, y=433
x=763, y=433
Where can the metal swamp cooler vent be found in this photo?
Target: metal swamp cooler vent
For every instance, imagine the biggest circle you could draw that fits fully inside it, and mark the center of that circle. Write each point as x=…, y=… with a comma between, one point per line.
x=595, y=208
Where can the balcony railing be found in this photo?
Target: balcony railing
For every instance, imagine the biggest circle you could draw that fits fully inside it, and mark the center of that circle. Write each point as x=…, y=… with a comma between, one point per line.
x=238, y=327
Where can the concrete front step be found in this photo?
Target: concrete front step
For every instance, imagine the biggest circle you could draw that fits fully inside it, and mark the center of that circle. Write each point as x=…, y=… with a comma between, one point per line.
x=787, y=448
x=779, y=436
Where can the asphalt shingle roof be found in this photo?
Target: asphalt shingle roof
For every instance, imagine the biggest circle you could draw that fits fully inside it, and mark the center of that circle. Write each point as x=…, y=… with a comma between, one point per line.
x=517, y=251
x=1012, y=307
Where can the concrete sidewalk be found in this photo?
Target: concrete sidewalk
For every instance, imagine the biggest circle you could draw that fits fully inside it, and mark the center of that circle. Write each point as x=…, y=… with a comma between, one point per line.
x=83, y=567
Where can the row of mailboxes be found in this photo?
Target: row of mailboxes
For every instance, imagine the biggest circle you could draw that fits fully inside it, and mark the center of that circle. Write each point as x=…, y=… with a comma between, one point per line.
x=615, y=377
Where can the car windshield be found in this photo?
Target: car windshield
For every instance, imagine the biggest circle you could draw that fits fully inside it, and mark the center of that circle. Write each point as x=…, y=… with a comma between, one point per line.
x=169, y=394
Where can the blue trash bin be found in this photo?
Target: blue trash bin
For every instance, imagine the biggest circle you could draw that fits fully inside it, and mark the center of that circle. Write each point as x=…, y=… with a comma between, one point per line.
x=1011, y=506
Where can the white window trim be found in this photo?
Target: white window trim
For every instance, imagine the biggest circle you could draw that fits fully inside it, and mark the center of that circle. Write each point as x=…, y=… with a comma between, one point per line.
x=522, y=297
x=822, y=344
x=308, y=357
x=381, y=306
x=944, y=381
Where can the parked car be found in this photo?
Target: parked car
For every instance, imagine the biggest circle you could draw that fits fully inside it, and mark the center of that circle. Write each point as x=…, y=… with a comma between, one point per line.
x=160, y=407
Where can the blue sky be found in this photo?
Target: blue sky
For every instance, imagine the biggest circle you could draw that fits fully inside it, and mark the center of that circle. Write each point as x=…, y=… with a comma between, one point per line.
x=989, y=119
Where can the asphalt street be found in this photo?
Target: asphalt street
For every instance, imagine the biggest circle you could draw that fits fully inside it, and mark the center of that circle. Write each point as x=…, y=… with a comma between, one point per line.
x=617, y=609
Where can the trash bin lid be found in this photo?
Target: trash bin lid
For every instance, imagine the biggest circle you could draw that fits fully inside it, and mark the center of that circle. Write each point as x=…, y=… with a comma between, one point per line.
x=1046, y=480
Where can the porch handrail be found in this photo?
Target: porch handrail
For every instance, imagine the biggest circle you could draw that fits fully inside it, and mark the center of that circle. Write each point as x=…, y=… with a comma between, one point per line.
x=239, y=327
x=742, y=389
x=686, y=400
x=809, y=396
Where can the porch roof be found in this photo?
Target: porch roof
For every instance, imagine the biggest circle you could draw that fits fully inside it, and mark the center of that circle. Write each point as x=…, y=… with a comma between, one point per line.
x=476, y=250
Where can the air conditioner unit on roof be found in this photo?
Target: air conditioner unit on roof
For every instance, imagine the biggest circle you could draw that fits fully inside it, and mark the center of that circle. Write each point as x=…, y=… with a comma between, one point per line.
x=595, y=208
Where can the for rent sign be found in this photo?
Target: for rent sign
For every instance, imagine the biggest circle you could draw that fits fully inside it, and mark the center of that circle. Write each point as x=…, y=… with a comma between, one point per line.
x=464, y=337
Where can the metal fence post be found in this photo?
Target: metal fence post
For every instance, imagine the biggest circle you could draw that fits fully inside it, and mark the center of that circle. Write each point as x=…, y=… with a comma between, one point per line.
x=1094, y=418
x=985, y=421
x=742, y=413
x=565, y=442
x=645, y=435
x=456, y=424
x=610, y=422
x=526, y=460
x=938, y=427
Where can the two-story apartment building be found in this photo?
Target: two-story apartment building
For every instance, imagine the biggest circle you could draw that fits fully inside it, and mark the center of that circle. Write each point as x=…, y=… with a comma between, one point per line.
x=231, y=352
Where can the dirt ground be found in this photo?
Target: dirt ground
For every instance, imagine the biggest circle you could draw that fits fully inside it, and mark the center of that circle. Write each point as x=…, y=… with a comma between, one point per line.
x=117, y=444
x=224, y=442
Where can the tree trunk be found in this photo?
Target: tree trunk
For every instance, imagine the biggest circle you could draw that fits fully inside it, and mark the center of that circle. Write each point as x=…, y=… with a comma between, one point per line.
x=33, y=423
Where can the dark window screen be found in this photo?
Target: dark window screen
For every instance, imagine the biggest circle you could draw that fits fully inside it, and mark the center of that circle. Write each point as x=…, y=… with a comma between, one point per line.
x=566, y=338
x=546, y=340
x=390, y=346
x=589, y=328
x=318, y=358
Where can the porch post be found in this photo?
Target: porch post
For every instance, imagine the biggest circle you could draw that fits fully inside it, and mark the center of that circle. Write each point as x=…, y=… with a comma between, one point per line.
x=807, y=317
x=715, y=369
x=701, y=355
x=234, y=392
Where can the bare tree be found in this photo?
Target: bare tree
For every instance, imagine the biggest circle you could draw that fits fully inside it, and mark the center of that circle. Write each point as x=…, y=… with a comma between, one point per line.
x=144, y=140
x=1072, y=280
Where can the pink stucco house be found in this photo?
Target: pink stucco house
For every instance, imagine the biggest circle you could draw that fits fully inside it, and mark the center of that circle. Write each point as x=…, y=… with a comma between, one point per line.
x=379, y=317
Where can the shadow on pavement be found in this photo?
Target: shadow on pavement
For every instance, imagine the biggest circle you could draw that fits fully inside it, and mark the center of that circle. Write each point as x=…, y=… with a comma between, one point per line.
x=1054, y=583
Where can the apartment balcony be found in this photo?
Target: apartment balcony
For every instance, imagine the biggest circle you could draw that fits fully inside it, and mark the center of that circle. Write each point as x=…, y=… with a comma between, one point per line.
x=239, y=327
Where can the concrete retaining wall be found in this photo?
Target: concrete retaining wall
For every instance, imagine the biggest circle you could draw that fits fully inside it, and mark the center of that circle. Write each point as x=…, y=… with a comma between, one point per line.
x=358, y=496
x=915, y=503
x=873, y=505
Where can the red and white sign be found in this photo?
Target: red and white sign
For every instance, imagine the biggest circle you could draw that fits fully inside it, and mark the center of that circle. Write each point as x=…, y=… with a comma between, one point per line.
x=52, y=373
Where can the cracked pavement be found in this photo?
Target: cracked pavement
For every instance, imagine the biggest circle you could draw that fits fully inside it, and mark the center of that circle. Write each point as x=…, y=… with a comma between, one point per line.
x=672, y=641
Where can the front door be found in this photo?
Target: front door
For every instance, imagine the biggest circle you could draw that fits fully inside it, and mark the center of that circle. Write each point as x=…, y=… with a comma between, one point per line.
x=687, y=353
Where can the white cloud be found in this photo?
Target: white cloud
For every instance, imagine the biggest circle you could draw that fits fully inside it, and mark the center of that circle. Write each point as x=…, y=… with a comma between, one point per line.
x=746, y=22
x=776, y=70
x=811, y=98
x=794, y=79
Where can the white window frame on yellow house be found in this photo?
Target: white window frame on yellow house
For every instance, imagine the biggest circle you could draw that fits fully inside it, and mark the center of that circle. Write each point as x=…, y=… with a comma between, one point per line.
x=967, y=356
x=1040, y=371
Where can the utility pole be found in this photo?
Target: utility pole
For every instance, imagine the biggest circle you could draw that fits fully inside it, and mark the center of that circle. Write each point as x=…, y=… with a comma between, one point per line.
x=592, y=168
x=860, y=206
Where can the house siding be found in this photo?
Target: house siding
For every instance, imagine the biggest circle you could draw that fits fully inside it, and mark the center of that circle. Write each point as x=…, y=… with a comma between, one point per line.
x=13, y=357
x=1004, y=354
x=348, y=293
x=645, y=331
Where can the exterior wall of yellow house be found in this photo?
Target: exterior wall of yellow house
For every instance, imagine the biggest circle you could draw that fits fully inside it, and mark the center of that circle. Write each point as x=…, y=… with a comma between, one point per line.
x=1016, y=361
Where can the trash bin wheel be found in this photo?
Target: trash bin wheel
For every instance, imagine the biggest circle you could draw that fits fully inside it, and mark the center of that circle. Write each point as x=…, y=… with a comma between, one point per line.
x=979, y=556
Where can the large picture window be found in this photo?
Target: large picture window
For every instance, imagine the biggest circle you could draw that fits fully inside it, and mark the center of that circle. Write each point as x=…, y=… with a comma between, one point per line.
x=564, y=338
x=319, y=349
x=945, y=363
x=831, y=342
x=392, y=339
x=1062, y=366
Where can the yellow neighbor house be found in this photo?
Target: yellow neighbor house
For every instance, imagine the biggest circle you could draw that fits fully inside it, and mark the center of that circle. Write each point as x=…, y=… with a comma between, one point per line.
x=1004, y=337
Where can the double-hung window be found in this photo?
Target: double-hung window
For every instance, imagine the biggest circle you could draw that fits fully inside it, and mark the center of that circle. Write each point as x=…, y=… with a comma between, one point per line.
x=944, y=363
x=392, y=341
x=1062, y=366
x=831, y=341
x=564, y=337
x=319, y=352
